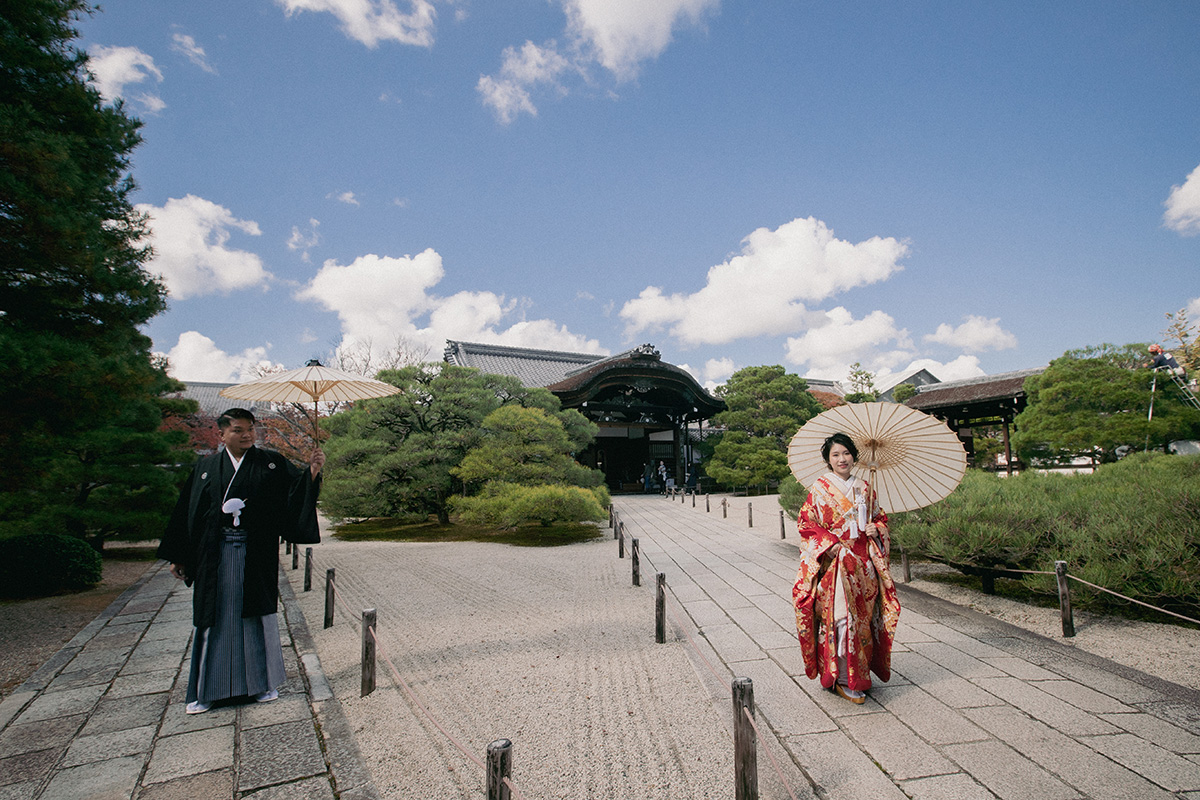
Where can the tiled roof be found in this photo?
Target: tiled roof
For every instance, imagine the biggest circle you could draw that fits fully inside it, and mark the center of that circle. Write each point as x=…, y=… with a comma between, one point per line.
x=211, y=403
x=532, y=367
x=973, y=390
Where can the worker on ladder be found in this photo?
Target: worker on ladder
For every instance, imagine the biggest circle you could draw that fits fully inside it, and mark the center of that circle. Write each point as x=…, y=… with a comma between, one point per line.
x=1165, y=362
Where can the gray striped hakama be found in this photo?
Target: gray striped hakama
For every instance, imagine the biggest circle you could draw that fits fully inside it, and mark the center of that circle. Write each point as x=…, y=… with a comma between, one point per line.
x=238, y=656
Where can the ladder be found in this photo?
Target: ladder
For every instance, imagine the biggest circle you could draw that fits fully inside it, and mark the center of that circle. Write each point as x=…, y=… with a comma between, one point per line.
x=1185, y=389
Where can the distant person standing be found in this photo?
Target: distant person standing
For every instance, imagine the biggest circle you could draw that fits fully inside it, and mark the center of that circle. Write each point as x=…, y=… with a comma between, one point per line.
x=223, y=541
x=662, y=477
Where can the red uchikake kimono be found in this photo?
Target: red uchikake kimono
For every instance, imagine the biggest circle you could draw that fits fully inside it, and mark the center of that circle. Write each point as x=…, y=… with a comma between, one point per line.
x=873, y=609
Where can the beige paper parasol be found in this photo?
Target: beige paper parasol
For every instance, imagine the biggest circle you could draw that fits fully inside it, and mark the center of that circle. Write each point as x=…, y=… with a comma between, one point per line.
x=311, y=382
x=913, y=459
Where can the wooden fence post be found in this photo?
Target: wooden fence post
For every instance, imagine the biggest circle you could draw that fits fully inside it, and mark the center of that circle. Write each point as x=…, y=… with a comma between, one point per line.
x=621, y=541
x=1064, y=598
x=724, y=508
x=329, y=598
x=782, y=526
x=750, y=514
x=693, y=499
x=637, y=564
x=499, y=767
x=308, y=569
x=706, y=507
x=368, y=652
x=616, y=525
x=295, y=556
x=745, y=748
x=611, y=512
x=660, y=608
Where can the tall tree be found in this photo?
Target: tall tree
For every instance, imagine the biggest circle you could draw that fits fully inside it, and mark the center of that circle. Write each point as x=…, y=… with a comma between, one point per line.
x=765, y=406
x=73, y=291
x=1095, y=402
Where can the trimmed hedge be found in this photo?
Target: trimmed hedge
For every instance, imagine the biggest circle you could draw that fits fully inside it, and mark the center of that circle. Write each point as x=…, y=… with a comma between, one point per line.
x=47, y=563
x=507, y=505
x=1132, y=527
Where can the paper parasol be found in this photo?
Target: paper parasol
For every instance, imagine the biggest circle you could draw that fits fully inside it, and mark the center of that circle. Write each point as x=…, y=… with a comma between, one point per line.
x=913, y=459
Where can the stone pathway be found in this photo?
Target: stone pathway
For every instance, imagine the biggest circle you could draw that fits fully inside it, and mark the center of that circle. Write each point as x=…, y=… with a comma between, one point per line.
x=104, y=717
x=975, y=708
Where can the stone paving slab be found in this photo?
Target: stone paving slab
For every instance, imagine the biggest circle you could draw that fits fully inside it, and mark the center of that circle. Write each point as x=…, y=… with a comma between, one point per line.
x=976, y=708
x=104, y=717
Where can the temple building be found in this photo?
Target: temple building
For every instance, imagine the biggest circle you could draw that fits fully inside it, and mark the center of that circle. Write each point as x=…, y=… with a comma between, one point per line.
x=648, y=411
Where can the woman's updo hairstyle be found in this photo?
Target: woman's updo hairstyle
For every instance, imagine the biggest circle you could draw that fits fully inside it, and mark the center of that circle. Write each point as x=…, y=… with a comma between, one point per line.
x=838, y=438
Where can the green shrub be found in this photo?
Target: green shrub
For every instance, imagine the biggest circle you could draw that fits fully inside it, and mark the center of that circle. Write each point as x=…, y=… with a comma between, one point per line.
x=1132, y=527
x=45, y=563
x=507, y=505
x=792, y=495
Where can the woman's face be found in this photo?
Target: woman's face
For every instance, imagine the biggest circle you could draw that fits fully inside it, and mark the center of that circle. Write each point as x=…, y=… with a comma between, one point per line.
x=840, y=461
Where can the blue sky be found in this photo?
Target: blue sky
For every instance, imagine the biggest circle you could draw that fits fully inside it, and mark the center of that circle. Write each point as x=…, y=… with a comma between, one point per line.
x=967, y=187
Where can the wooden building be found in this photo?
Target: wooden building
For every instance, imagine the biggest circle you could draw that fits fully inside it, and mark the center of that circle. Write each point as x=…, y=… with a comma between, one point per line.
x=647, y=410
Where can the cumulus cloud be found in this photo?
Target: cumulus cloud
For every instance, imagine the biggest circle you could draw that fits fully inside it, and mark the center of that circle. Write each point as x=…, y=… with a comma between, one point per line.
x=960, y=368
x=185, y=45
x=114, y=68
x=375, y=21
x=1183, y=206
x=1193, y=308
x=380, y=298
x=717, y=370
x=195, y=357
x=975, y=335
x=190, y=236
x=344, y=197
x=302, y=241
x=835, y=340
x=762, y=290
x=616, y=35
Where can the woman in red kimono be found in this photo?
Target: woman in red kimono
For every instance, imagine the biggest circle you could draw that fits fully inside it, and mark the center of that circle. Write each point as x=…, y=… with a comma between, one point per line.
x=846, y=606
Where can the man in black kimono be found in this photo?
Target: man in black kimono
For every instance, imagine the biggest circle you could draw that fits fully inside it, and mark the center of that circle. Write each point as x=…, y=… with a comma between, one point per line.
x=223, y=540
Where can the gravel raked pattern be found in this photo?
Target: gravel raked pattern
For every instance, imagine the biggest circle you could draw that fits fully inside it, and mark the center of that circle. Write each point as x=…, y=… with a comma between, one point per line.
x=556, y=654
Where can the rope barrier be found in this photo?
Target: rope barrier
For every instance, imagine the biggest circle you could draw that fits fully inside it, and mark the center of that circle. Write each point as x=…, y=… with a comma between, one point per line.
x=1130, y=599
x=746, y=713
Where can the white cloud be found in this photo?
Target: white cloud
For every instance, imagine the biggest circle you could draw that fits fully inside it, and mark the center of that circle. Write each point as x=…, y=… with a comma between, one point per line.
x=962, y=367
x=113, y=68
x=521, y=70
x=1193, y=309
x=344, y=197
x=379, y=298
x=184, y=44
x=302, y=241
x=975, y=335
x=761, y=291
x=616, y=35
x=1183, y=206
x=375, y=21
x=190, y=237
x=837, y=340
x=624, y=33
x=717, y=370
x=195, y=357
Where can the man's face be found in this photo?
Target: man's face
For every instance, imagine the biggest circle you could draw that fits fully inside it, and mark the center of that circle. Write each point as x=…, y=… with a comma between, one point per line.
x=238, y=437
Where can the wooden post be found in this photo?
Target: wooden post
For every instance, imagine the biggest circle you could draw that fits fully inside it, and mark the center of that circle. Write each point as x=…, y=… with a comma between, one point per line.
x=1064, y=598
x=693, y=499
x=745, y=748
x=611, y=514
x=621, y=542
x=499, y=767
x=637, y=564
x=368, y=652
x=706, y=507
x=782, y=525
x=724, y=508
x=616, y=525
x=750, y=514
x=308, y=569
x=329, y=598
x=660, y=608
x=295, y=556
